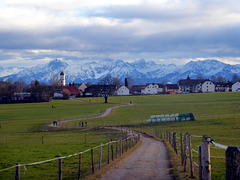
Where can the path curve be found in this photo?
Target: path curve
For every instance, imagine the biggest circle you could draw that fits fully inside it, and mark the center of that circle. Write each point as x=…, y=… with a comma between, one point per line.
x=106, y=113
x=149, y=161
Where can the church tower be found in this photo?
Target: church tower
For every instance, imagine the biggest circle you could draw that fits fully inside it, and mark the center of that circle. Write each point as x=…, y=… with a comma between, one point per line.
x=62, y=78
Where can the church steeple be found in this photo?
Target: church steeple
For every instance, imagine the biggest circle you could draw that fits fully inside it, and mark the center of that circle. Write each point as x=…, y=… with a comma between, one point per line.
x=62, y=78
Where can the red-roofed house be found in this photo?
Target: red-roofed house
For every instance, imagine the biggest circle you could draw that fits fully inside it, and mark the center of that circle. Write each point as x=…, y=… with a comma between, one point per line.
x=74, y=91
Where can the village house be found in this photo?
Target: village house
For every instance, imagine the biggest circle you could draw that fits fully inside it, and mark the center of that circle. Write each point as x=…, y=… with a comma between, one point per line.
x=171, y=88
x=74, y=91
x=236, y=87
x=81, y=86
x=195, y=85
x=122, y=91
x=223, y=87
x=159, y=88
x=144, y=89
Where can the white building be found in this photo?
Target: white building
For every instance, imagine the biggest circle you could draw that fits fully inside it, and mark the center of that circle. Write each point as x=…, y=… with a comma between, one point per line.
x=149, y=89
x=122, y=91
x=236, y=87
x=195, y=85
x=208, y=86
x=159, y=88
x=58, y=95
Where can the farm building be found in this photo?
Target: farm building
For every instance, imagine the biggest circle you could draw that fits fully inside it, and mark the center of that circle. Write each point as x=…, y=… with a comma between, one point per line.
x=208, y=86
x=195, y=85
x=236, y=87
x=74, y=91
x=159, y=87
x=171, y=88
x=144, y=89
x=81, y=86
x=223, y=87
x=122, y=91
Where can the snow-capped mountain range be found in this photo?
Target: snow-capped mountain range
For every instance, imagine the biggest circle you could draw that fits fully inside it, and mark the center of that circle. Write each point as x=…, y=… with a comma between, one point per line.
x=140, y=71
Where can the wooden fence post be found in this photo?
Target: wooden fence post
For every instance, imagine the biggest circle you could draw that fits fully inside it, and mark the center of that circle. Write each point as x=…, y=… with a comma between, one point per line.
x=176, y=147
x=160, y=134
x=200, y=162
x=60, y=169
x=181, y=141
x=169, y=137
x=116, y=154
x=206, y=166
x=79, y=165
x=92, y=161
x=17, y=172
x=112, y=149
x=126, y=144
x=108, y=160
x=233, y=163
x=120, y=147
x=190, y=155
x=185, y=152
x=173, y=140
x=100, y=156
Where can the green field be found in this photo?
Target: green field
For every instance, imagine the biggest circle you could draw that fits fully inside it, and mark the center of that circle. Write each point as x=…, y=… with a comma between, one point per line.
x=217, y=115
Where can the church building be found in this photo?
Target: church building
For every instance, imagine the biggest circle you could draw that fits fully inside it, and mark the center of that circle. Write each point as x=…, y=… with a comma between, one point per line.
x=62, y=78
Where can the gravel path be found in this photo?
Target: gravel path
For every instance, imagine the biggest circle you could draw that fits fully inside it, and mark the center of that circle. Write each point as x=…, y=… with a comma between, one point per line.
x=106, y=113
x=149, y=161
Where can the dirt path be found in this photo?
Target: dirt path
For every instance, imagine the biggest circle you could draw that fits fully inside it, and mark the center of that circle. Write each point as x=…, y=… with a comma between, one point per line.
x=106, y=113
x=149, y=161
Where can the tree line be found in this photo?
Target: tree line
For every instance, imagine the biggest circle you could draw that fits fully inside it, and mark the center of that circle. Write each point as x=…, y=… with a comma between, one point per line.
x=19, y=91
x=221, y=79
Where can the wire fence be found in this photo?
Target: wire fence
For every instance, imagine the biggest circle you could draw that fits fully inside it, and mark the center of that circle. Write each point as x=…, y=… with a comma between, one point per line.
x=113, y=149
x=182, y=145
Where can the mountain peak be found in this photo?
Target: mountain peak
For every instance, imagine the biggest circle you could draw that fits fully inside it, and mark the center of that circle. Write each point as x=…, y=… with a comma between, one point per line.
x=57, y=62
x=140, y=71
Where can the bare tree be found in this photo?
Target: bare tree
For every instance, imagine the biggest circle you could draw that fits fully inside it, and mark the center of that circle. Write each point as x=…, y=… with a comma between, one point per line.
x=235, y=78
x=221, y=79
x=55, y=80
x=108, y=86
x=213, y=78
x=129, y=82
x=200, y=76
x=164, y=82
x=89, y=83
x=66, y=94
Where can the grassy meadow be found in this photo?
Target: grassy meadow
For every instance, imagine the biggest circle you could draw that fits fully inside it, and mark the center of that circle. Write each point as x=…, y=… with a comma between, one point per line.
x=24, y=139
x=217, y=115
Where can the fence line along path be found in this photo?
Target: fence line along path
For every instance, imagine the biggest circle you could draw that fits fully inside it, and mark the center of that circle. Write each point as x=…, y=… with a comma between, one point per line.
x=149, y=161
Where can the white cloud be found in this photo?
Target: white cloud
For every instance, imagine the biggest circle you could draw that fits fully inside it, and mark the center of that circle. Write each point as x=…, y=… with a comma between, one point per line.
x=160, y=30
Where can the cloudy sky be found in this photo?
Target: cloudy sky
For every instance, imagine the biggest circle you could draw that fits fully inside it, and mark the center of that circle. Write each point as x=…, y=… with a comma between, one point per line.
x=164, y=31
